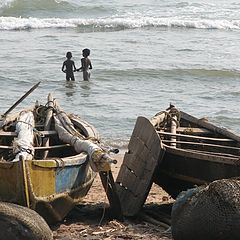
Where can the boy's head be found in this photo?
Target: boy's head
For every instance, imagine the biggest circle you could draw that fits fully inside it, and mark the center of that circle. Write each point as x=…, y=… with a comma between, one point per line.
x=86, y=52
x=69, y=55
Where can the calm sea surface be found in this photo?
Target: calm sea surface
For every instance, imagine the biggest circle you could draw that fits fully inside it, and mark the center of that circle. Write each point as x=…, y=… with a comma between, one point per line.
x=146, y=54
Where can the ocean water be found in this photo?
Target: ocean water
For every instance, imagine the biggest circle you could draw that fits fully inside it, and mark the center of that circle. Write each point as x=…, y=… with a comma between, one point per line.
x=146, y=54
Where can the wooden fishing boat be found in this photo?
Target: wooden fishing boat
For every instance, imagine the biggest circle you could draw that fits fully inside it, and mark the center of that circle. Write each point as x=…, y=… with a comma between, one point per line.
x=176, y=151
x=46, y=166
x=196, y=152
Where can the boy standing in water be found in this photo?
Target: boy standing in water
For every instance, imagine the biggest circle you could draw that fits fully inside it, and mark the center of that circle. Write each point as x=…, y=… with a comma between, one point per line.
x=86, y=64
x=68, y=67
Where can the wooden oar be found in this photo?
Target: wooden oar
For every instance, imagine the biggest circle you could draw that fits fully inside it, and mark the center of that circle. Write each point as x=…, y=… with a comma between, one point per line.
x=21, y=99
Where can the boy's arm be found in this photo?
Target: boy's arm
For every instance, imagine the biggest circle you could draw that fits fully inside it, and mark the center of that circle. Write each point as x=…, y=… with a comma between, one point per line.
x=82, y=64
x=90, y=65
x=63, y=67
x=74, y=67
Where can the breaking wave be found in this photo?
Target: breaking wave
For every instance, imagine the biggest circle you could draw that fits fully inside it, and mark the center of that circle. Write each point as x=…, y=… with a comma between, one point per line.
x=113, y=23
x=110, y=15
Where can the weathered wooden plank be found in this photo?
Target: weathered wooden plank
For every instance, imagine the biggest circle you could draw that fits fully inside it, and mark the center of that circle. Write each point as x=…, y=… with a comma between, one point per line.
x=197, y=137
x=40, y=148
x=132, y=191
x=134, y=179
x=210, y=126
x=127, y=178
x=194, y=131
x=138, y=146
x=47, y=124
x=138, y=165
x=144, y=132
x=111, y=192
x=205, y=144
x=14, y=134
x=127, y=199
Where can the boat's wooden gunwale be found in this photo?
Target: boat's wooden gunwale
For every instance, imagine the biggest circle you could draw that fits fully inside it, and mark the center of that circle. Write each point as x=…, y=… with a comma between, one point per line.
x=201, y=156
x=237, y=157
x=197, y=137
x=210, y=126
x=88, y=129
x=205, y=145
x=203, y=153
x=76, y=160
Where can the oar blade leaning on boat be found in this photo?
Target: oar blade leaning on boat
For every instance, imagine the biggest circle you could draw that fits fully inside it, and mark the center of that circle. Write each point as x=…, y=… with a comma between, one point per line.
x=135, y=176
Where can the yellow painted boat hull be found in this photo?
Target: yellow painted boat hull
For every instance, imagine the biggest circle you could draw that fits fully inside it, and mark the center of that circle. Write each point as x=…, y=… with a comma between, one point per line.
x=50, y=187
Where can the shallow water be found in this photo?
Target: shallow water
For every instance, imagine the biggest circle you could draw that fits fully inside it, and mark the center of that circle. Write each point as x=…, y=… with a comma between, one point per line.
x=145, y=55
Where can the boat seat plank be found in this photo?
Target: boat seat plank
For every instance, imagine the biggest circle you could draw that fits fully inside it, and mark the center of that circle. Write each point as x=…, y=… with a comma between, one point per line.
x=40, y=148
x=224, y=147
x=196, y=137
x=194, y=131
x=14, y=134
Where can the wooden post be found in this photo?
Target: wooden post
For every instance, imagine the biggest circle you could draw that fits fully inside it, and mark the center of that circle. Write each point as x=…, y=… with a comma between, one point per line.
x=48, y=123
x=173, y=131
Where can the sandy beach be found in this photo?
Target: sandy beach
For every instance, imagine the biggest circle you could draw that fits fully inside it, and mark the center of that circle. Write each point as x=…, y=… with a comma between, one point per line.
x=90, y=219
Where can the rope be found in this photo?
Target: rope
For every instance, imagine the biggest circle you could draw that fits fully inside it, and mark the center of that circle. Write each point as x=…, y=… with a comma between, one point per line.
x=47, y=104
x=104, y=208
x=25, y=123
x=169, y=117
x=22, y=149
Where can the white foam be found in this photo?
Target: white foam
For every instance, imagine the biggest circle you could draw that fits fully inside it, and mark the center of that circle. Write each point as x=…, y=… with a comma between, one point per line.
x=14, y=23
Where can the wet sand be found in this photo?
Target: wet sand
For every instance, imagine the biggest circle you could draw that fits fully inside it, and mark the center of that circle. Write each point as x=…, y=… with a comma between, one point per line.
x=91, y=220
